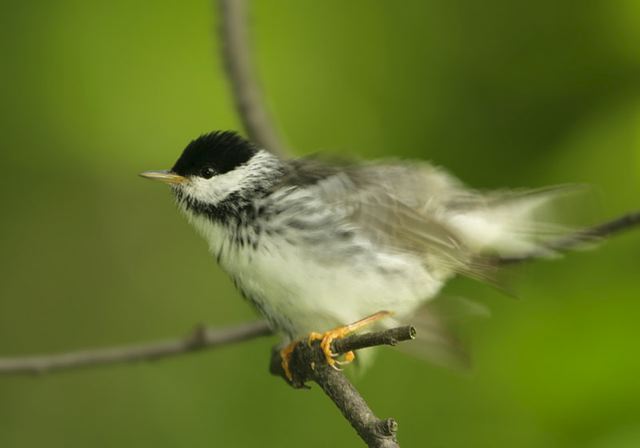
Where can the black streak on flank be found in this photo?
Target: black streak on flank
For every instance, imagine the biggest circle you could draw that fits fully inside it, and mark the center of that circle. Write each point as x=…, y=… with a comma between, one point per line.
x=220, y=151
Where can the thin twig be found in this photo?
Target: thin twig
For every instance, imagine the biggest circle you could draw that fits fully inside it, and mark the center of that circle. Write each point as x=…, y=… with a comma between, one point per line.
x=248, y=97
x=202, y=338
x=308, y=364
x=603, y=230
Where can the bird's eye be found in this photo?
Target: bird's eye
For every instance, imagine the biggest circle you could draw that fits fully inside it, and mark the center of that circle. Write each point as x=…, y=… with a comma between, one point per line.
x=207, y=172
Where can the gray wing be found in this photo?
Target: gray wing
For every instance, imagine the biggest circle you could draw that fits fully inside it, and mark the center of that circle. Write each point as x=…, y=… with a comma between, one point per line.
x=415, y=207
x=400, y=206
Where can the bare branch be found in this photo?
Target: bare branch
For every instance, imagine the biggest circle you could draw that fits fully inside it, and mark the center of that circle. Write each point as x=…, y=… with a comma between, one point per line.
x=202, y=338
x=236, y=54
x=603, y=230
x=308, y=364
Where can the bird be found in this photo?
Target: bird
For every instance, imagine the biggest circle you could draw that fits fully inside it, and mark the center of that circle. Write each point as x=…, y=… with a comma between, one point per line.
x=322, y=248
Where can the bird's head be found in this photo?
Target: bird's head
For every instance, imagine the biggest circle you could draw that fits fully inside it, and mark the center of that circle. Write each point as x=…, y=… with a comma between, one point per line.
x=216, y=167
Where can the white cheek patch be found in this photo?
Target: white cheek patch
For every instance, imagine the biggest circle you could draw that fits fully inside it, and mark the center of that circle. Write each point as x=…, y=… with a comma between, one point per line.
x=219, y=187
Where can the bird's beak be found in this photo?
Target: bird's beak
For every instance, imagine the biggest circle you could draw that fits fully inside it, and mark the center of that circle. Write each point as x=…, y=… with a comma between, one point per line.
x=164, y=176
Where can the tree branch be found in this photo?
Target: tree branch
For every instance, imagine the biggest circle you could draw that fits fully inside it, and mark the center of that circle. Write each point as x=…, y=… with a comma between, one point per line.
x=236, y=55
x=603, y=230
x=308, y=364
x=202, y=338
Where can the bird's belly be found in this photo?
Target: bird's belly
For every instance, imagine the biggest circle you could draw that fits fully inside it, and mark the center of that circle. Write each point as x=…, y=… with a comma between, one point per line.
x=301, y=291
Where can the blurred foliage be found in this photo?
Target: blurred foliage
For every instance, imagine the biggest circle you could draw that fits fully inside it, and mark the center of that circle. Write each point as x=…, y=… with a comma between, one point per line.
x=502, y=93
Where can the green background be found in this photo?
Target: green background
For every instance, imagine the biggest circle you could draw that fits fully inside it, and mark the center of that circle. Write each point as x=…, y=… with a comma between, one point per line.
x=501, y=92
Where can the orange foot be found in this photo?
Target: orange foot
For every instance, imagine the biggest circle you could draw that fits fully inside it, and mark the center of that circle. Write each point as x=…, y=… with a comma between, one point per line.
x=285, y=355
x=339, y=332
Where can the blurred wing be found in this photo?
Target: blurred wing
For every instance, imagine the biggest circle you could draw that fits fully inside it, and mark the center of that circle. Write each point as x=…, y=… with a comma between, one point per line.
x=437, y=325
x=420, y=209
x=399, y=206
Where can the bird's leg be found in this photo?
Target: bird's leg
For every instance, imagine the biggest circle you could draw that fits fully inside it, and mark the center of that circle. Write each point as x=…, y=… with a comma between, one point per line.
x=339, y=332
x=285, y=356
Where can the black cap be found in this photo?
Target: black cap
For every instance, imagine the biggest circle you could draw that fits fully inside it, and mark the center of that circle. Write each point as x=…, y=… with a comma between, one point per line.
x=215, y=153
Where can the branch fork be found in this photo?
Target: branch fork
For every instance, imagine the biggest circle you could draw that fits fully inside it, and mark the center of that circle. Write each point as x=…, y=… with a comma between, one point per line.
x=308, y=363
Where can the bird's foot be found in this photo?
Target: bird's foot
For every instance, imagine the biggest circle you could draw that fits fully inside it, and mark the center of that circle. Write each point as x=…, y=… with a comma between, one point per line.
x=285, y=356
x=328, y=337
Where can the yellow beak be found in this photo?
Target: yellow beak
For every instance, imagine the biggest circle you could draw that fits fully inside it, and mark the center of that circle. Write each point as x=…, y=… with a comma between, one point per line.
x=164, y=176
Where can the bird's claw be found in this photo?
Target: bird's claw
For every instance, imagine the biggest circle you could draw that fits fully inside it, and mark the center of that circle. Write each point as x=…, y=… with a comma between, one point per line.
x=285, y=356
x=349, y=357
x=327, y=338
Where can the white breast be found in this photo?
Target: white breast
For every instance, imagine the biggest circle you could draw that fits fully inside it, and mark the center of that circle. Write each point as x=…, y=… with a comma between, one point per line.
x=302, y=288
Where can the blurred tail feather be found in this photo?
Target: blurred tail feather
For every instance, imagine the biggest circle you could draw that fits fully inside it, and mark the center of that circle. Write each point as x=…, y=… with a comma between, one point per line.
x=437, y=338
